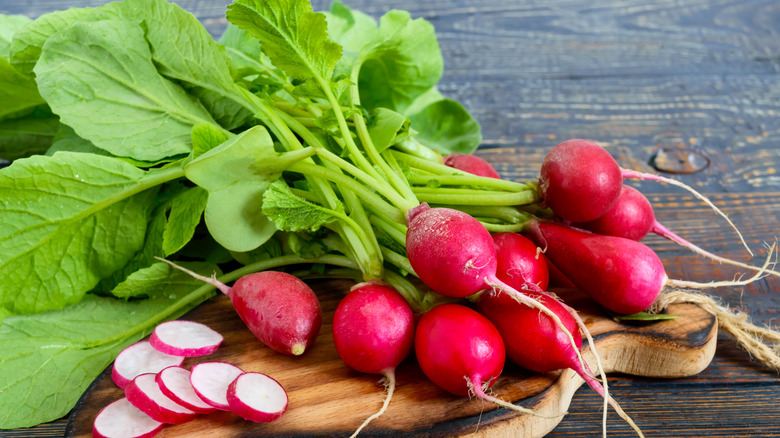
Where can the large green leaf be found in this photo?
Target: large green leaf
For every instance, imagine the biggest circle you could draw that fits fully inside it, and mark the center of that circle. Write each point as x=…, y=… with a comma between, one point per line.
x=9, y=25
x=17, y=91
x=26, y=136
x=236, y=174
x=67, y=221
x=444, y=125
x=100, y=79
x=49, y=359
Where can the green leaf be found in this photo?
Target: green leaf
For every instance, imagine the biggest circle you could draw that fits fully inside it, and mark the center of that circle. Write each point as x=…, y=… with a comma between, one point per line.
x=206, y=137
x=100, y=79
x=351, y=29
x=185, y=214
x=66, y=140
x=9, y=25
x=387, y=127
x=268, y=250
x=248, y=59
x=293, y=213
x=49, y=359
x=291, y=34
x=26, y=136
x=154, y=280
x=236, y=174
x=17, y=91
x=402, y=62
x=66, y=222
x=447, y=127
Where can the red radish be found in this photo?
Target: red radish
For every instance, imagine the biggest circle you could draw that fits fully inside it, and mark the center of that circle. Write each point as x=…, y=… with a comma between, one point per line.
x=174, y=382
x=185, y=338
x=140, y=358
x=211, y=380
x=579, y=180
x=520, y=261
x=257, y=397
x=557, y=279
x=121, y=419
x=278, y=308
x=373, y=331
x=144, y=393
x=471, y=164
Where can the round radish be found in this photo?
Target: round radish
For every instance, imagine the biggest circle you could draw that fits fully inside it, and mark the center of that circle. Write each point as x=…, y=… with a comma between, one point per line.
x=121, y=419
x=458, y=349
x=144, y=393
x=185, y=338
x=471, y=164
x=278, y=308
x=579, y=180
x=257, y=397
x=211, y=380
x=373, y=331
x=520, y=262
x=631, y=217
x=175, y=383
x=140, y=358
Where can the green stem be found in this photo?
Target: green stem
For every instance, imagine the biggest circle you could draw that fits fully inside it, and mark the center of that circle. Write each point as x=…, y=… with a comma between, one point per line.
x=474, y=197
x=469, y=181
x=394, y=230
x=397, y=260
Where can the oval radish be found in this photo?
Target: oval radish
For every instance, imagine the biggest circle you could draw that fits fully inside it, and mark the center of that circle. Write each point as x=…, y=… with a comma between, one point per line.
x=520, y=262
x=144, y=393
x=278, y=308
x=471, y=164
x=121, y=419
x=174, y=382
x=211, y=380
x=257, y=397
x=140, y=358
x=185, y=338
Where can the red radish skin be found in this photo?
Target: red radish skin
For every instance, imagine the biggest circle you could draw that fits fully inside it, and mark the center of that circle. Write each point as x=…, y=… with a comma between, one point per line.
x=257, y=397
x=121, y=419
x=579, y=180
x=471, y=164
x=140, y=358
x=185, y=338
x=557, y=279
x=144, y=393
x=211, y=380
x=624, y=276
x=278, y=308
x=520, y=261
x=373, y=331
x=458, y=349
x=174, y=382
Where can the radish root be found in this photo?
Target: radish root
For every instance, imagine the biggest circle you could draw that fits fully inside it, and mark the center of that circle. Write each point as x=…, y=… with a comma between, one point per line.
x=759, y=275
x=225, y=289
x=389, y=382
x=480, y=393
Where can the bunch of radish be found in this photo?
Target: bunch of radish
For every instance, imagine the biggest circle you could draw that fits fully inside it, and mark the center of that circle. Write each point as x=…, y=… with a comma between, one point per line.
x=159, y=391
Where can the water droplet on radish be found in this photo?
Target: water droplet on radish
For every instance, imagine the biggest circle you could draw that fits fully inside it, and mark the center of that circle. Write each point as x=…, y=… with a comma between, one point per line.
x=679, y=161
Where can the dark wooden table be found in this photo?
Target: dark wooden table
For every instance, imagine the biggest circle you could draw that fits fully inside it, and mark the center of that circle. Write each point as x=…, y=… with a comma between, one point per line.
x=636, y=76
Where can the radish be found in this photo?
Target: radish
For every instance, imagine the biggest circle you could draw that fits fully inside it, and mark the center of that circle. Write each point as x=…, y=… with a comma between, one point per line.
x=632, y=217
x=120, y=419
x=580, y=182
x=278, y=308
x=373, y=331
x=144, y=393
x=471, y=164
x=520, y=261
x=211, y=380
x=185, y=338
x=174, y=382
x=257, y=397
x=140, y=358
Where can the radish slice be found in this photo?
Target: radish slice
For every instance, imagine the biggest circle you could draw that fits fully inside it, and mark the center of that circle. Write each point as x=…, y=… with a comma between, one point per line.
x=257, y=397
x=175, y=383
x=121, y=419
x=210, y=380
x=144, y=393
x=140, y=358
x=185, y=338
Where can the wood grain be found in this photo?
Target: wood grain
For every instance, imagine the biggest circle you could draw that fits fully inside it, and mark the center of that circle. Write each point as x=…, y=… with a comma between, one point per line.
x=327, y=398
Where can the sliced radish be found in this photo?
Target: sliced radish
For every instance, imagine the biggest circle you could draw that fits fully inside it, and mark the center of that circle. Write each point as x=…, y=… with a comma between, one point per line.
x=144, y=393
x=210, y=380
x=175, y=383
x=121, y=419
x=185, y=338
x=257, y=397
x=140, y=358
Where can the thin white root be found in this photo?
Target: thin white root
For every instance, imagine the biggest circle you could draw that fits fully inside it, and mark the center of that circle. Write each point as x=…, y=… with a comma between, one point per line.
x=696, y=285
x=390, y=385
x=225, y=289
x=646, y=176
x=480, y=393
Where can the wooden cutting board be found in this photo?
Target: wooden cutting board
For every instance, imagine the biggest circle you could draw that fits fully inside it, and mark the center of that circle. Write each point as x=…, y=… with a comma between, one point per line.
x=329, y=399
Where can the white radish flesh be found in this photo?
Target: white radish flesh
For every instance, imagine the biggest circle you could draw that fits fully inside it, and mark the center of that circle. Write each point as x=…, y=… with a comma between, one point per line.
x=121, y=419
x=211, y=380
x=185, y=338
x=140, y=358
x=175, y=383
x=144, y=393
x=257, y=397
